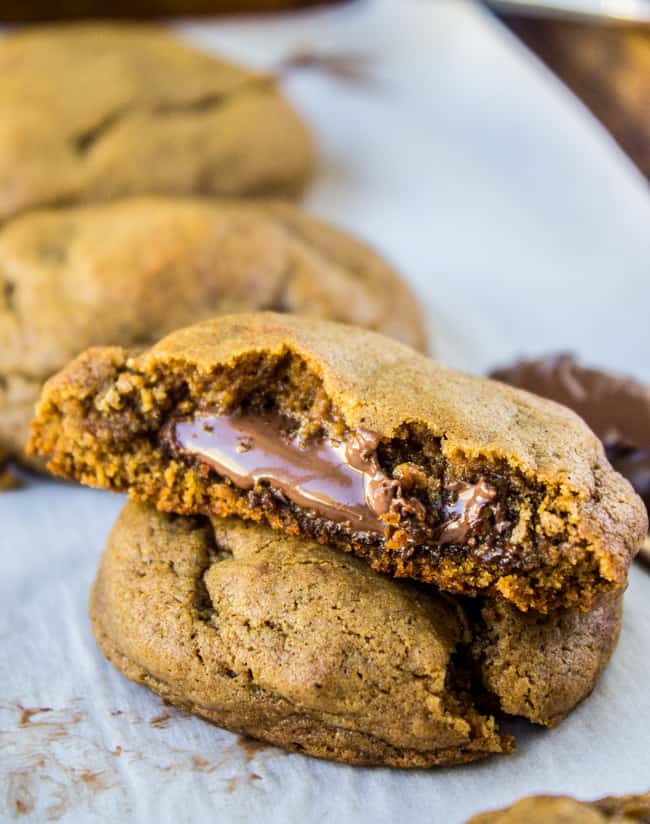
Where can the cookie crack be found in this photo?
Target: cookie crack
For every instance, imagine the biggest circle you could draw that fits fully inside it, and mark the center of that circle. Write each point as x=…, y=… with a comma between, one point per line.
x=279, y=302
x=85, y=141
x=203, y=103
x=8, y=293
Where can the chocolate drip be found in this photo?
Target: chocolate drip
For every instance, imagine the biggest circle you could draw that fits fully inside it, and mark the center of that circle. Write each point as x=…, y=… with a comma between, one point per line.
x=615, y=407
x=466, y=513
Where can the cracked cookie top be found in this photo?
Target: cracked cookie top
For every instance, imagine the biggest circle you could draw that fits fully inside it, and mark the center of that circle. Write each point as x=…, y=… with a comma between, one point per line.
x=89, y=112
x=288, y=641
x=305, y=646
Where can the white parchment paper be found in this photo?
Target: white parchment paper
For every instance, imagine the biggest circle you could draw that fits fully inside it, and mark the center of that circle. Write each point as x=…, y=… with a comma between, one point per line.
x=523, y=229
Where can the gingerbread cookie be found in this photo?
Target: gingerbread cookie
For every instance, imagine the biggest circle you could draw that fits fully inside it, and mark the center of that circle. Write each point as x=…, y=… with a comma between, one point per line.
x=340, y=434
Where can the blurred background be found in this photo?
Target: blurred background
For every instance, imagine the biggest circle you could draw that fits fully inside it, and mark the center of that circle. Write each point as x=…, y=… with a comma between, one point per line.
x=499, y=159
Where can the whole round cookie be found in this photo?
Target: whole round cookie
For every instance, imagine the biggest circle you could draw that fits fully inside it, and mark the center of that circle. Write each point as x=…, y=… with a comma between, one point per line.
x=340, y=434
x=132, y=270
x=306, y=647
x=549, y=809
x=288, y=641
x=91, y=112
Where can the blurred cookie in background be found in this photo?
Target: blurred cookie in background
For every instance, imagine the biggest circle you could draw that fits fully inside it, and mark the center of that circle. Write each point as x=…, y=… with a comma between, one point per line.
x=17, y=11
x=91, y=112
x=608, y=67
x=130, y=271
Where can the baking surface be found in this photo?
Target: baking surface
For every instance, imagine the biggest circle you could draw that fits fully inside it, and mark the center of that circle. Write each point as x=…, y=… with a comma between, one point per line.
x=524, y=230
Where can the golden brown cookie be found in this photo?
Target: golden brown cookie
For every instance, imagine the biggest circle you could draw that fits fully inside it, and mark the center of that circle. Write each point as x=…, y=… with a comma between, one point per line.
x=130, y=271
x=340, y=434
x=306, y=647
x=297, y=644
x=91, y=112
x=548, y=809
x=541, y=666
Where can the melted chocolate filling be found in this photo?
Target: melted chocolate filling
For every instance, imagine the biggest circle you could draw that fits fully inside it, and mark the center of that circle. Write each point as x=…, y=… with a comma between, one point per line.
x=341, y=481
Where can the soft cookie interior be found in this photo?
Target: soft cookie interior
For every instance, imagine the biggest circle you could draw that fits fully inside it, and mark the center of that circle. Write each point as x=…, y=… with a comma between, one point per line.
x=339, y=434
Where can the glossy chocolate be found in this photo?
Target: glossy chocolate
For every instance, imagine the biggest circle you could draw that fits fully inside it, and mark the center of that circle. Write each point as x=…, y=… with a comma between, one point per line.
x=466, y=512
x=616, y=408
x=339, y=481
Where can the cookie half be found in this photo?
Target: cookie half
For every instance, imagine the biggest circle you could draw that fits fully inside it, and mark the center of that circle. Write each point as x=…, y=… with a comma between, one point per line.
x=91, y=112
x=132, y=270
x=337, y=433
x=548, y=809
x=288, y=641
x=305, y=646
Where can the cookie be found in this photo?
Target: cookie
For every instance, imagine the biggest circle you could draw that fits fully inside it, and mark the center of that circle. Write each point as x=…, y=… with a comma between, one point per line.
x=617, y=408
x=132, y=270
x=91, y=112
x=287, y=641
x=540, y=667
x=606, y=66
x=18, y=11
x=548, y=809
x=304, y=646
x=340, y=434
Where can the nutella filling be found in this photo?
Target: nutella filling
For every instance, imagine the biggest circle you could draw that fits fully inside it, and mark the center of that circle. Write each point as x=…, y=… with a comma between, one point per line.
x=465, y=515
x=340, y=481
